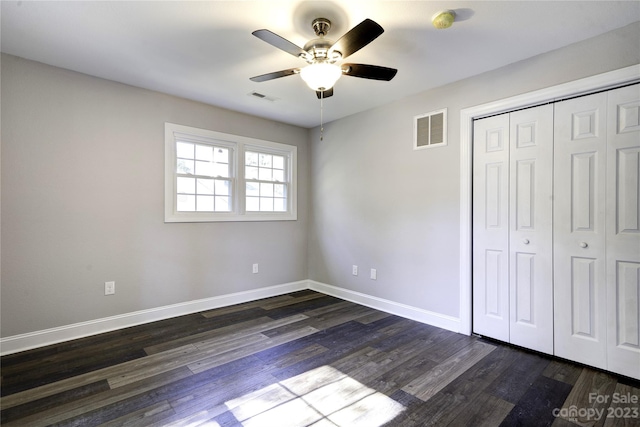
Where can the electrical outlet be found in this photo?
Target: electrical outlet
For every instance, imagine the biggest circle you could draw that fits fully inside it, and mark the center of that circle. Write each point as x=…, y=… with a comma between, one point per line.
x=374, y=274
x=354, y=270
x=255, y=268
x=109, y=288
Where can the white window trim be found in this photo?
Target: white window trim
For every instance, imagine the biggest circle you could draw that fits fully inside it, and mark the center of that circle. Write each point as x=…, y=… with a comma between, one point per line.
x=237, y=144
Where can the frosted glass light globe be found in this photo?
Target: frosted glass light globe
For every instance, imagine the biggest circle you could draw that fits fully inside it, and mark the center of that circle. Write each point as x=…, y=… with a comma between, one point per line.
x=321, y=76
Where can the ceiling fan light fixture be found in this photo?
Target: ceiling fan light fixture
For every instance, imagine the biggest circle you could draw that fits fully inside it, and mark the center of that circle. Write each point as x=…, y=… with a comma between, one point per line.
x=322, y=55
x=321, y=76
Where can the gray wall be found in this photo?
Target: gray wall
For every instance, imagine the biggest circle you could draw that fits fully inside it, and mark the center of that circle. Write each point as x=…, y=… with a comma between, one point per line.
x=82, y=195
x=82, y=203
x=379, y=204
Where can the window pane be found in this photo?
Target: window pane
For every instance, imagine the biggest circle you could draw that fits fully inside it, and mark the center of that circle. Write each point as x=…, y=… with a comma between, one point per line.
x=278, y=175
x=204, y=152
x=252, y=189
x=221, y=169
x=221, y=155
x=266, y=204
x=251, y=172
x=222, y=204
x=204, y=168
x=265, y=160
x=186, y=185
x=184, y=150
x=279, y=205
x=205, y=204
x=251, y=159
x=265, y=175
x=186, y=203
x=185, y=166
x=266, y=190
x=204, y=186
x=253, y=204
x=278, y=162
x=222, y=187
x=278, y=190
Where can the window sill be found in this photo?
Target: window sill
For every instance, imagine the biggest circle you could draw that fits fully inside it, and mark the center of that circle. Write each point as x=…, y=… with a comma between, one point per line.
x=247, y=217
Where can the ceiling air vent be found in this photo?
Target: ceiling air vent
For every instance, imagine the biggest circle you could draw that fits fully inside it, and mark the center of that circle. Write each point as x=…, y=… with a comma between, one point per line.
x=430, y=130
x=262, y=96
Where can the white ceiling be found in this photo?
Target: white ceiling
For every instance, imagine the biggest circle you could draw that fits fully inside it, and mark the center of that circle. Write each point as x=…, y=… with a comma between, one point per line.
x=204, y=50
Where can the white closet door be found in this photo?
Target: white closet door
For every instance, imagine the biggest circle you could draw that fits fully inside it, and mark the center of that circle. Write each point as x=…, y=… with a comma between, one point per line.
x=579, y=229
x=530, y=236
x=623, y=231
x=491, y=227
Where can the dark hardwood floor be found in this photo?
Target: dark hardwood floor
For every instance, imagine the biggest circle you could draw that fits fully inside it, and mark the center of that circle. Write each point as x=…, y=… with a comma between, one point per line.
x=303, y=359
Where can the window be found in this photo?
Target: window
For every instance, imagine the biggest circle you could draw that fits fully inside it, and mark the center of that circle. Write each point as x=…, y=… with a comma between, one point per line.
x=212, y=176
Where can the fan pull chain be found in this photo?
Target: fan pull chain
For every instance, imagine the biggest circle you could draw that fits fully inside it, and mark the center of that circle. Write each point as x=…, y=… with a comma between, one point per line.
x=321, y=119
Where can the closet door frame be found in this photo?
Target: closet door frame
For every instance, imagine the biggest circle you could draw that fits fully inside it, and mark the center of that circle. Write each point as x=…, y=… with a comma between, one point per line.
x=584, y=86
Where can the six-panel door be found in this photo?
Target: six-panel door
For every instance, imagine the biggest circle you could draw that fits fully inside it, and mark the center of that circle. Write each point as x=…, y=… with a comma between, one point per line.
x=512, y=237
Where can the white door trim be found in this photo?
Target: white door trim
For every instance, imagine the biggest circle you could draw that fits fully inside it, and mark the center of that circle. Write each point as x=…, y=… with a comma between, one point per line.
x=555, y=93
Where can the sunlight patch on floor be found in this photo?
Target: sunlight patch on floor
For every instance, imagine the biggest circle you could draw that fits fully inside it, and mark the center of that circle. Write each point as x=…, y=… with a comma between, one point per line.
x=322, y=397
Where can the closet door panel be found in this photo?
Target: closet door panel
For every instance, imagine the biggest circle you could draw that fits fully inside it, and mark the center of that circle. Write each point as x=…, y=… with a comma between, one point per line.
x=491, y=227
x=579, y=229
x=623, y=231
x=530, y=237
x=583, y=285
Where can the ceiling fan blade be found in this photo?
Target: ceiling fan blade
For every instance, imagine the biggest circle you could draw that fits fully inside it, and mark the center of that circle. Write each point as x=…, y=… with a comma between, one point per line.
x=324, y=94
x=357, y=38
x=365, y=71
x=275, y=75
x=281, y=43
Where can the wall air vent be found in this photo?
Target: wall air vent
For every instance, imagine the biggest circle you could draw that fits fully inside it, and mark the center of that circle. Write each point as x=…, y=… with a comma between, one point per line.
x=262, y=96
x=430, y=130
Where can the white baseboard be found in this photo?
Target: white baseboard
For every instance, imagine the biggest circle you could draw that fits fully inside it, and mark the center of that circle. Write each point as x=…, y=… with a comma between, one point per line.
x=419, y=315
x=22, y=342
x=31, y=340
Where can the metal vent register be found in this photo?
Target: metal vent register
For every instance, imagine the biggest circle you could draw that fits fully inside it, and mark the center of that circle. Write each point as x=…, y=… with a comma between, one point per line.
x=430, y=130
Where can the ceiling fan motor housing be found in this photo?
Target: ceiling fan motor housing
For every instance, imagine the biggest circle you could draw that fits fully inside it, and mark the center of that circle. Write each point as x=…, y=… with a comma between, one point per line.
x=321, y=26
x=318, y=49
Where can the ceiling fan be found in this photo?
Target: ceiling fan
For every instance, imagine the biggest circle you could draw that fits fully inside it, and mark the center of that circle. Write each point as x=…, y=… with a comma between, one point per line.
x=322, y=55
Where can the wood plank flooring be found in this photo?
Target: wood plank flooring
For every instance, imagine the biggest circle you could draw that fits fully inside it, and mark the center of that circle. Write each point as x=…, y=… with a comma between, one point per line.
x=304, y=359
